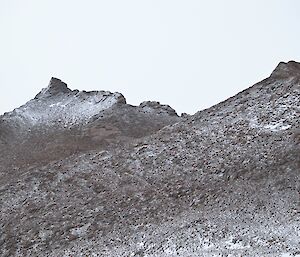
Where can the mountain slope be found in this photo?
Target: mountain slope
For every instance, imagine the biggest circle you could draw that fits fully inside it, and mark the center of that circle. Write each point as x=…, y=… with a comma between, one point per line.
x=59, y=122
x=223, y=181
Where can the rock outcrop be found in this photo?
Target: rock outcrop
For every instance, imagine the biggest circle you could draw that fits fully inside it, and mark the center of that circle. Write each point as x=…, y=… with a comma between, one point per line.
x=285, y=70
x=55, y=87
x=150, y=106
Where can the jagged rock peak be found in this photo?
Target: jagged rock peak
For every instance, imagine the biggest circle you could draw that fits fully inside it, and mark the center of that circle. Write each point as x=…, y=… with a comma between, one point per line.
x=153, y=105
x=284, y=70
x=55, y=86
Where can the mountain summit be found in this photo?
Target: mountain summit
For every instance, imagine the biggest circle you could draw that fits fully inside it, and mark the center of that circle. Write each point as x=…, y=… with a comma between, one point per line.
x=86, y=174
x=285, y=70
x=55, y=86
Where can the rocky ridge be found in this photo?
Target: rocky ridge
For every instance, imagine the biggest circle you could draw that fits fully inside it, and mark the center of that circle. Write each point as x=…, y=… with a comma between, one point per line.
x=222, y=182
x=69, y=121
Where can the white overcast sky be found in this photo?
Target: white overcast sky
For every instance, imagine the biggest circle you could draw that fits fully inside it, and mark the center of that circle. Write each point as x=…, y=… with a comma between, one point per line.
x=189, y=54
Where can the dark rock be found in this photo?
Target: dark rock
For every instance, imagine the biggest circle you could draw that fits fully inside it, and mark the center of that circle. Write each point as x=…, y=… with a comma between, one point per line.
x=55, y=86
x=284, y=70
x=153, y=105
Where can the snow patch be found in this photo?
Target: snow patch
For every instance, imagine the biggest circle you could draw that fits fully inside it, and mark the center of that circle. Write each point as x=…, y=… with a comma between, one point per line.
x=80, y=231
x=269, y=127
x=277, y=127
x=68, y=108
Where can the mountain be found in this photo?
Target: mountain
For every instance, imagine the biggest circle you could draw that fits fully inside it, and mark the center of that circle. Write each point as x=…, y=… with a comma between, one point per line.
x=85, y=174
x=59, y=122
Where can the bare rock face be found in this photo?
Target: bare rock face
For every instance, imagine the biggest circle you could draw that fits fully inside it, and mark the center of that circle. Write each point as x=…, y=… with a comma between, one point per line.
x=285, y=70
x=150, y=106
x=55, y=86
x=85, y=174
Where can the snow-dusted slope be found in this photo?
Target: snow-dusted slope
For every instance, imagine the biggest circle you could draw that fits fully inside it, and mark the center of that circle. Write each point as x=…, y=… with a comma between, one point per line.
x=57, y=104
x=224, y=182
x=270, y=105
x=59, y=122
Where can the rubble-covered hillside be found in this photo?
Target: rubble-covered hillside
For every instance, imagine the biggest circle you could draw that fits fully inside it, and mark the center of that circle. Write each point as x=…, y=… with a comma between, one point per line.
x=85, y=174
